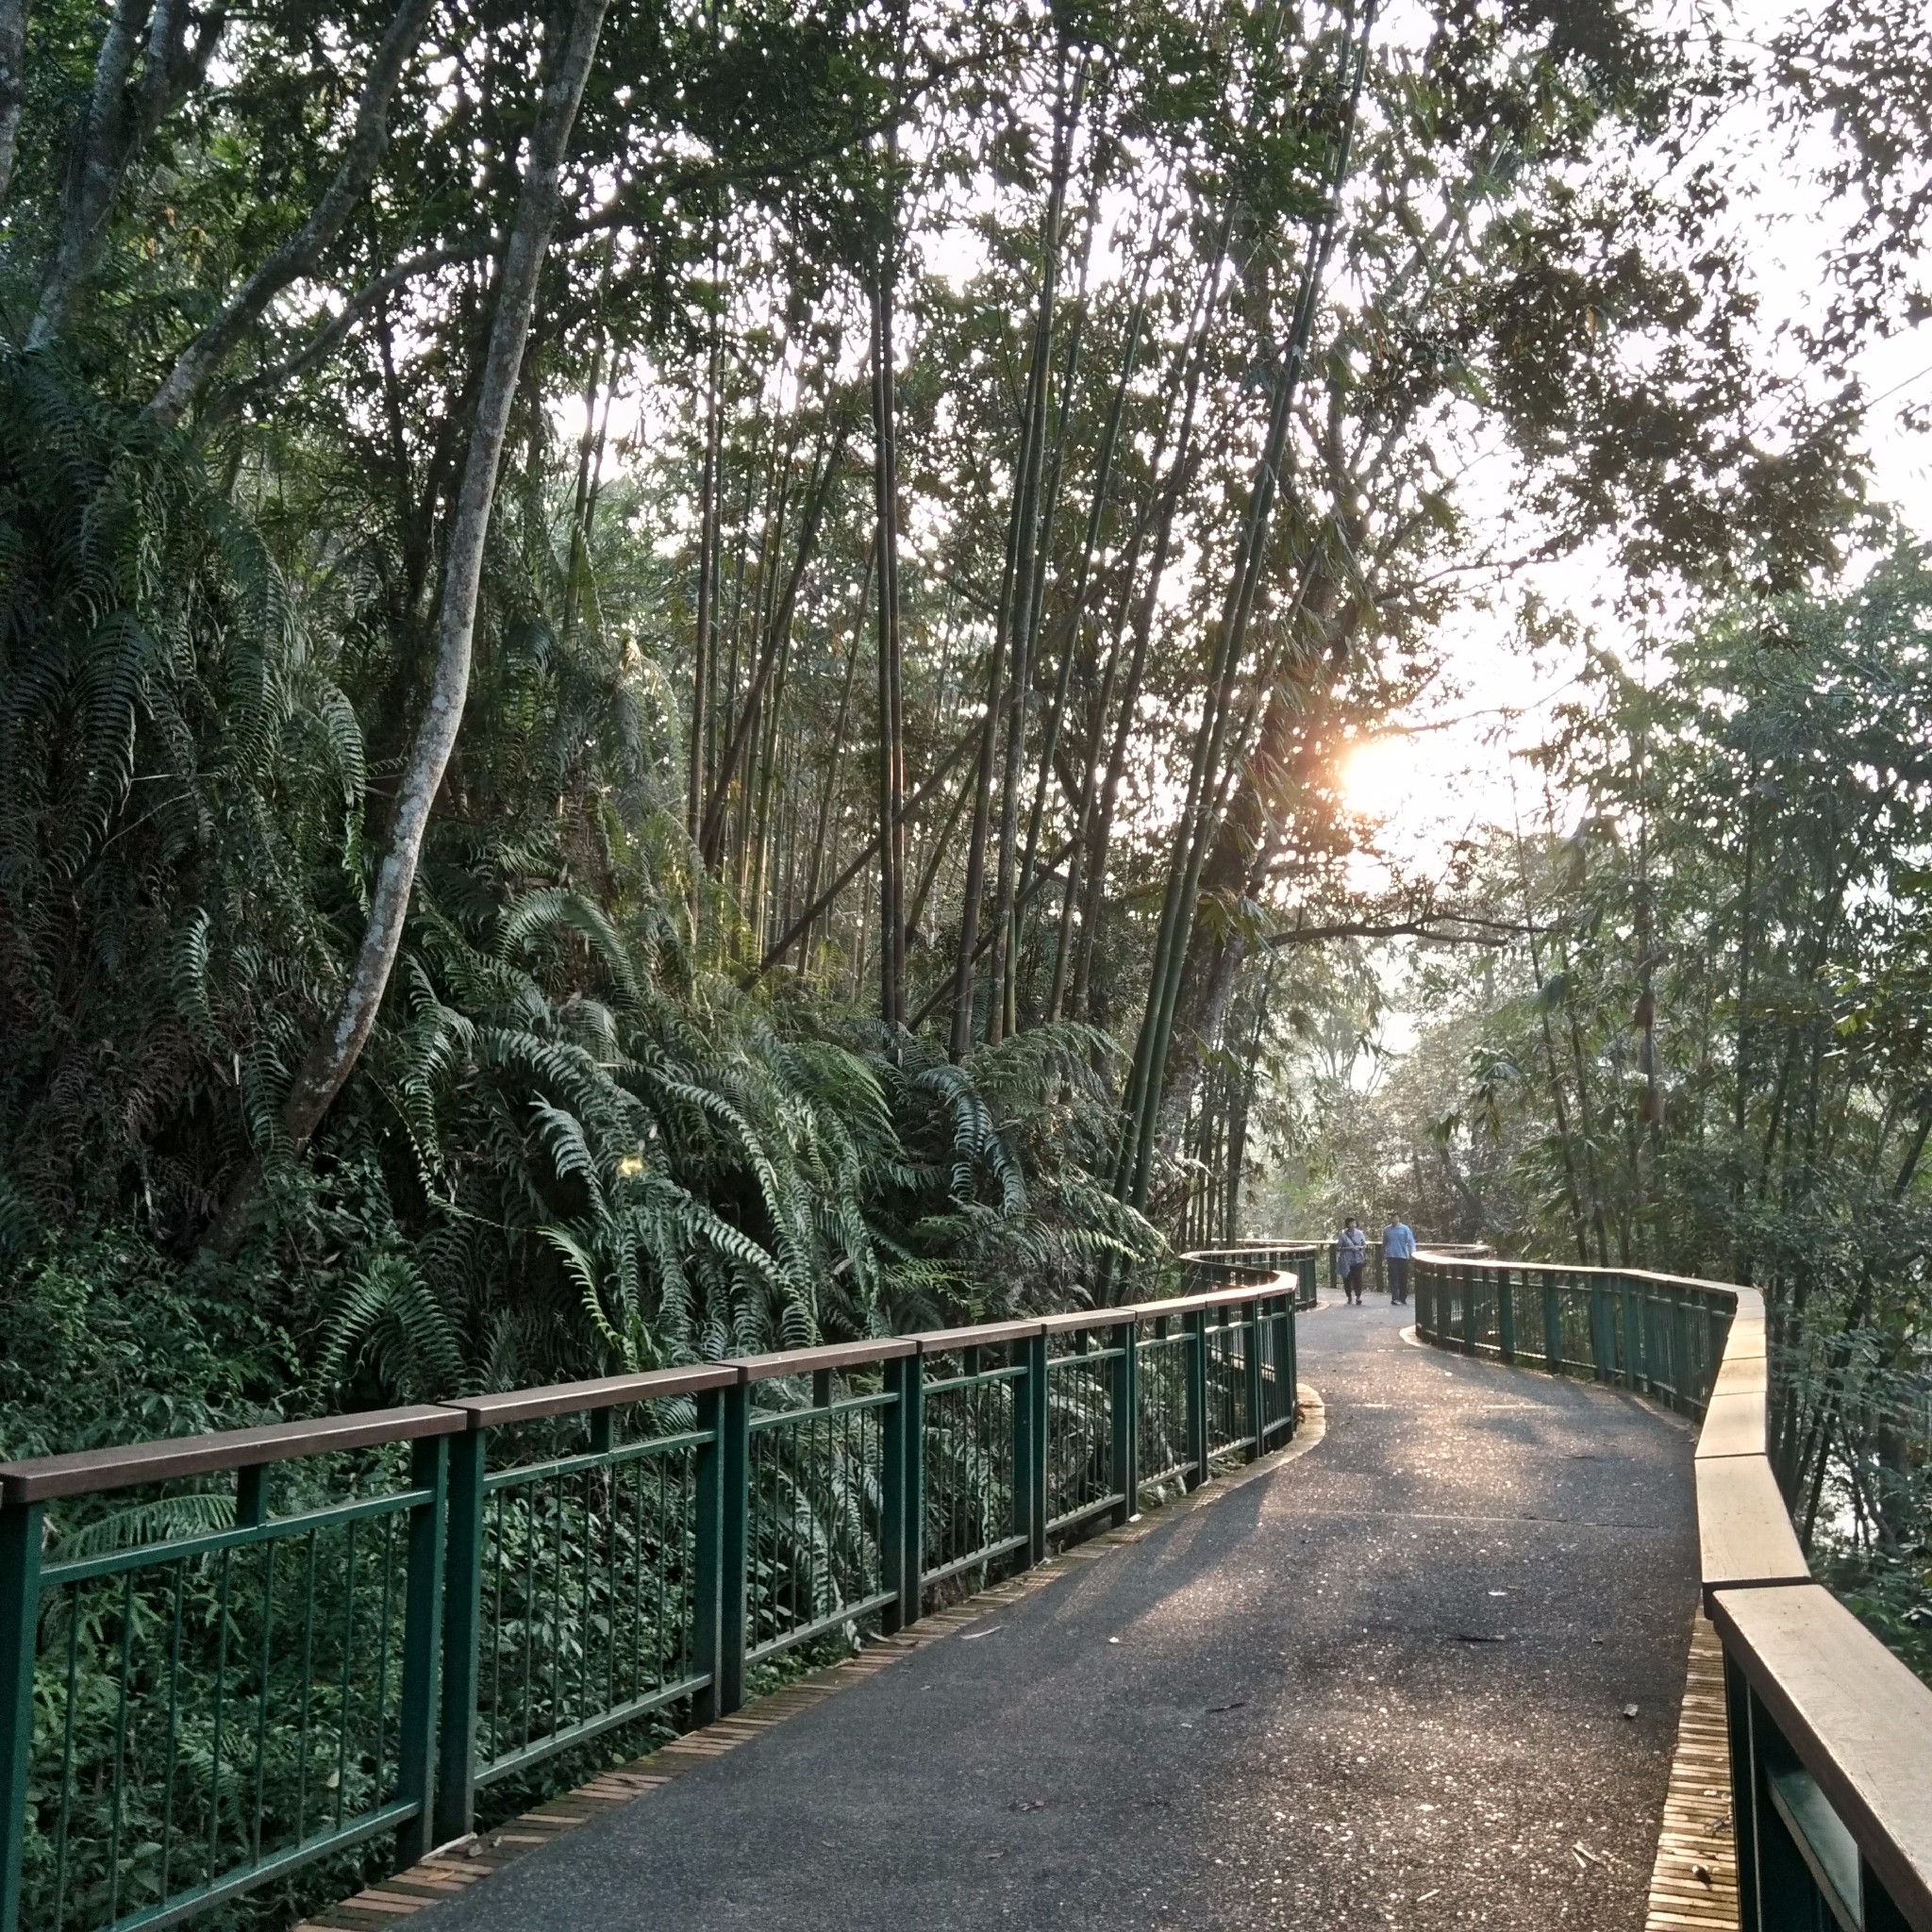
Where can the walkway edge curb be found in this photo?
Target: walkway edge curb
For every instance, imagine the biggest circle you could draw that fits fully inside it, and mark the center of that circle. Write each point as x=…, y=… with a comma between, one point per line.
x=452, y=1869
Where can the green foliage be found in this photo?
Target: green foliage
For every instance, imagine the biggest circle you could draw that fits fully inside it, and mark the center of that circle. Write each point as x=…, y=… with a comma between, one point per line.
x=577, y=1142
x=108, y=1339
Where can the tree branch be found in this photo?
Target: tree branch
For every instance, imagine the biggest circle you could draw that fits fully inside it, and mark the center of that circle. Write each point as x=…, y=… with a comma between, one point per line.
x=12, y=84
x=299, y=254
x=333, y=1054
x=331, y=336
x=1490, y=932
x=864, y=857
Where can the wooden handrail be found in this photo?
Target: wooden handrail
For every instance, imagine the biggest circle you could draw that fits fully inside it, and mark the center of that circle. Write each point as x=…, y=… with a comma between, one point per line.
x=90, y=1472
x=1855, y=1718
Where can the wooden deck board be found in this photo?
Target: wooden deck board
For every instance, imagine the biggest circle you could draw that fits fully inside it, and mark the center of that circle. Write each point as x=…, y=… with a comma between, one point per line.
x=1693, y=1885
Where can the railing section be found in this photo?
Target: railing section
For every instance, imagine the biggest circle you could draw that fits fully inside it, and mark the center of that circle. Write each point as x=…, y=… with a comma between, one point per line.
x=296, y=1639
x=1830, y=1734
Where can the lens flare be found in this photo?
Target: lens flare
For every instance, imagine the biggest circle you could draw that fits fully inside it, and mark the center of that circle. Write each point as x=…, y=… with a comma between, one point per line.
x=1376, y=775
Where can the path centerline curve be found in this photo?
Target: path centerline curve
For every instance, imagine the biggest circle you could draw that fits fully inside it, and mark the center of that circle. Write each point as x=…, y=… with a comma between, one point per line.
x=1301, y=1707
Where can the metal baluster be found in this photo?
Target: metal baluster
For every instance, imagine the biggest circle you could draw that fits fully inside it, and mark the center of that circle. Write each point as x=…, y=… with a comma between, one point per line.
x=67, y=1759
x=343, y=1691
x=120, y=1743
x=307, y=1700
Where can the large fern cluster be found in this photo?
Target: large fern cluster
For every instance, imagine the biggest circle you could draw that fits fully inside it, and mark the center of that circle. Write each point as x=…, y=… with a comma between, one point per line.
x=179, y=784
x=576, y=1142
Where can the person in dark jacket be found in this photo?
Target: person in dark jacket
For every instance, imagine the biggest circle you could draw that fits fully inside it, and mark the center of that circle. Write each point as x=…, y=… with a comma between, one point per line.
x=1351, y=1255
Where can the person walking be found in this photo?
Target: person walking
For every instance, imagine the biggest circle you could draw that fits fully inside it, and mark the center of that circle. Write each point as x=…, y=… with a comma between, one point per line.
x=1352, y=1252
x=1398, y=1251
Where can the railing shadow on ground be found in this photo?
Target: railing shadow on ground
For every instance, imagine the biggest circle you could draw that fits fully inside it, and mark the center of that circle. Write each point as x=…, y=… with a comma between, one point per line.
x=1830, y=1734
x=298, y=1640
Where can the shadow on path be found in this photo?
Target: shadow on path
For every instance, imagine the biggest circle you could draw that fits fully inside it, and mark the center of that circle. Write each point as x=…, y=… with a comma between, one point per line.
x=1382, y=1686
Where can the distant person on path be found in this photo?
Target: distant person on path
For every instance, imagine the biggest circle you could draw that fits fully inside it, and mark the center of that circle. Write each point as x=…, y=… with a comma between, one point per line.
x=1398, y=1251
x=1352, y=1252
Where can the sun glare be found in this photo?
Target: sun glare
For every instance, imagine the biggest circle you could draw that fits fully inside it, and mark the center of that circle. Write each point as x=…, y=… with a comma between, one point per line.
x=1375, y=776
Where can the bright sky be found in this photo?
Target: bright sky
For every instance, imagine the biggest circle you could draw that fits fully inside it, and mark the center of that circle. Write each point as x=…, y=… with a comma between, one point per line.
x=1446, y=766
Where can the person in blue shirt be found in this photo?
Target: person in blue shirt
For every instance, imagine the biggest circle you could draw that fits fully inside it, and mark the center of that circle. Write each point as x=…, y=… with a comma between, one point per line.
x=1398, y=1251
x=1352, y=1254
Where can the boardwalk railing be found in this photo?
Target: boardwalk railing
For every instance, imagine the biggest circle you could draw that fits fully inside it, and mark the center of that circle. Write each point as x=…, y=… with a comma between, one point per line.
x=295, y=1639
x=1830, y=1734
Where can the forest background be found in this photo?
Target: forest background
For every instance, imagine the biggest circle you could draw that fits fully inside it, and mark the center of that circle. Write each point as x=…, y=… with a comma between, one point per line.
x=684, y=679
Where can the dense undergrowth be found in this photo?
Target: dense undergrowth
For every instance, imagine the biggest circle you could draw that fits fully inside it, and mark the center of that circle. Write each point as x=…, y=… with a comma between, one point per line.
x=578, y=1141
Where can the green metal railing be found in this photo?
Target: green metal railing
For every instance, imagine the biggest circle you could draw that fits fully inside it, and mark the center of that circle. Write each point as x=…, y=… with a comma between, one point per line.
x=297, y=1639
x=1660, y=1336
x=1830, y=1734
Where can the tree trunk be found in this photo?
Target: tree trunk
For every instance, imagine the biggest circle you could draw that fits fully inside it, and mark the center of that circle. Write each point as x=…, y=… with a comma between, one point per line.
x=777, y=631
x=892, y=710
x=13, y=85
x=114, y=128
x=1191, y=842
x=333, y=1054
x=1028, y=560
x=704, y=644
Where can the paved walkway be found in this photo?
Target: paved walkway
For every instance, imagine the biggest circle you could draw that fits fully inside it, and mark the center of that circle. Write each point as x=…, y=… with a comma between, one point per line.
x=1384, y=1685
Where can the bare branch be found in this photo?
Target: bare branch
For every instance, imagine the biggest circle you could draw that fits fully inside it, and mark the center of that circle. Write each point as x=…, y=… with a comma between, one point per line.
x=299, y=254
x=331, y=336
x=1442, y=928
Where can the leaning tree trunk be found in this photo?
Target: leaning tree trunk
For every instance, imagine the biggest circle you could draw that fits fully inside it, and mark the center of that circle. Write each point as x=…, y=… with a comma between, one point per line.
x=333, y=1054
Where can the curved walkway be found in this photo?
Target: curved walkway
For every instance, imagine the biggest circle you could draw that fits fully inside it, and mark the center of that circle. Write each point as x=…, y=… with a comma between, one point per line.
x=1383, y=1685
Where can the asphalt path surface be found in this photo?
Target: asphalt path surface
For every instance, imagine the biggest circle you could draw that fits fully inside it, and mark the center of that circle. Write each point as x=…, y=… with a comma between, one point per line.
x=1387, y=1684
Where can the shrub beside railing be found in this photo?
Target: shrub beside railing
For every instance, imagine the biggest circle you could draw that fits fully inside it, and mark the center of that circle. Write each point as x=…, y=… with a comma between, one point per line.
x=1830, y=1734
x=376, y=1617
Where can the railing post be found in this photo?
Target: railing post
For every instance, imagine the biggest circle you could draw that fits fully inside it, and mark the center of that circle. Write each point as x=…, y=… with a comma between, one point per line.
x=421, y=1648
x=1553, y=1325
x=903, y=1500
x=708, y=1547
x=19, y=1618
x=462, y=1619
x=1599, y=1338
x=1470, y=1325
x=1126, y=1398
x=1251, y=1376
x=1284, y=1361
x=734, y=1559
x=1505, y=1315
x=1197, y=1396
x=1029, y=1452
x=1294, y=1382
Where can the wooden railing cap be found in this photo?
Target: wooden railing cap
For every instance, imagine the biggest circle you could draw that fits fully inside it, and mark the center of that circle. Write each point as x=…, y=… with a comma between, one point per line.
x=980, y=1335
x=832, y=1357
x=88, y=1472
x=606, y=1392
x=1859, y=1719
